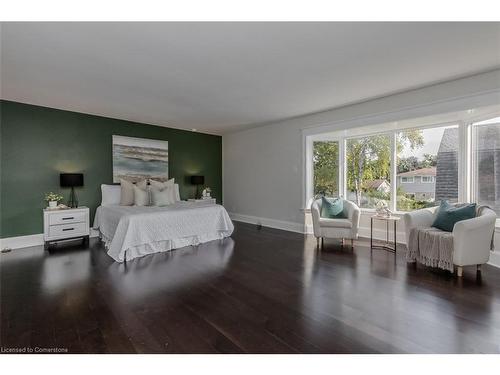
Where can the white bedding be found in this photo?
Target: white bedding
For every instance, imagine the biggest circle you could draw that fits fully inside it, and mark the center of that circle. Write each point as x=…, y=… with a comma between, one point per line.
x=130, y=231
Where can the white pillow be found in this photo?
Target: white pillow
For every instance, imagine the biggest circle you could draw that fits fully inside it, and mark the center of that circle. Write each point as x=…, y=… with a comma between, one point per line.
x=163, y=197
x=127, y=191
x=161, y=185
x=176, y=193
x=141, y=196
x=110, y=194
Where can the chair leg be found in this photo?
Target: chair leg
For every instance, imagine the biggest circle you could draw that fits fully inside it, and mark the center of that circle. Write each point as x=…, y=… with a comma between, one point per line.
x=460, y=271
x=352, y=243
x=478, y=268
x=317, y=241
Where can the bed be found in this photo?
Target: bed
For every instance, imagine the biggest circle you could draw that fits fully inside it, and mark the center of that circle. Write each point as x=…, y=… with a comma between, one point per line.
x=134, y=231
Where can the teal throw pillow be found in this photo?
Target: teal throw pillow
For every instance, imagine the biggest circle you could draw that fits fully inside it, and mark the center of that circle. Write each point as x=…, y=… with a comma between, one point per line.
x=448, y=215
x=332, y=208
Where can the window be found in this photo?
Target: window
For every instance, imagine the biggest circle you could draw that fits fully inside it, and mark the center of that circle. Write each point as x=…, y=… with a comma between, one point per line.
x=427, y=179
x=368, y=170
x=326, y=168
x=407, y=180
x=409, y=167
x=431, y=155
x=486, y=163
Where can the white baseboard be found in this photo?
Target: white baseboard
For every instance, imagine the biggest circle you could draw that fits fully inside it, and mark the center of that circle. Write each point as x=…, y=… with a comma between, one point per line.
x=271, y=223
x=494, y=259
x=364, y=232
x=378, y=234
x=30, y=240
x=21, y=241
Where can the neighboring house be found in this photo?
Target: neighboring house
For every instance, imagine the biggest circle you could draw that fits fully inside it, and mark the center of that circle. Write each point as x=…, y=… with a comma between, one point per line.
x=419, y=183
x=447, y=166
x=380, y=185
x=488, y=166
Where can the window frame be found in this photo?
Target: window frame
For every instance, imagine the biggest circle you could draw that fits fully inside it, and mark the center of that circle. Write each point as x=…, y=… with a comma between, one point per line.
x=473, y=183
x=432, y=179
x=340, y=166
x=391, y=136
x=466, y=187
x=407, y=179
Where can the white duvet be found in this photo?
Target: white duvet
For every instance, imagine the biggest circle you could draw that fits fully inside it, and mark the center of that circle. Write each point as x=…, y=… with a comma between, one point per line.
x=130, y=231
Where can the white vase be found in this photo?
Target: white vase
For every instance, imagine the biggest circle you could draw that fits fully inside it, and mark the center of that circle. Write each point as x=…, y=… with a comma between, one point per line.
x=53, y=204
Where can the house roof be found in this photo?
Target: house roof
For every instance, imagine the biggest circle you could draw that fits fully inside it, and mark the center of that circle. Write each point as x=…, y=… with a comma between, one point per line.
x=447, y=164
x=449, y=142
x=431, y=171
x=374, y=184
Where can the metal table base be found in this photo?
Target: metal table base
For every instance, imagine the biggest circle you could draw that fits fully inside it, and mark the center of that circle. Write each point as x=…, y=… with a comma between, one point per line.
x=387, y=246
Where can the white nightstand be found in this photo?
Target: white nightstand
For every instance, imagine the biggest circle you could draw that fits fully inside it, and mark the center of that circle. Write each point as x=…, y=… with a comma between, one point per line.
x=65, y=224
x=206, y=201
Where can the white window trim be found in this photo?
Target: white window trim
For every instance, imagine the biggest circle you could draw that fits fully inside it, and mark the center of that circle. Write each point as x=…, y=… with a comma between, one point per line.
x=309, y=168
x=432, y=179
x=409, y=180
x=342, y=168
x=466, y=181
x=363, y=125
x=393, y=176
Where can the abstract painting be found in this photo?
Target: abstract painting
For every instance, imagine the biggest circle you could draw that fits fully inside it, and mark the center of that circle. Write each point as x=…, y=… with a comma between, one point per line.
x=135, y=159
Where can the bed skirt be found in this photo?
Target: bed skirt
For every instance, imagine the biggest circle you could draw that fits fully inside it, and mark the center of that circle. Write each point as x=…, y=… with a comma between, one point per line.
x=161, y=246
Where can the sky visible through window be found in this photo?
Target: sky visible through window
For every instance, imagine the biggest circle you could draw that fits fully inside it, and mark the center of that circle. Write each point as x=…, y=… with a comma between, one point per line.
x=432, y=140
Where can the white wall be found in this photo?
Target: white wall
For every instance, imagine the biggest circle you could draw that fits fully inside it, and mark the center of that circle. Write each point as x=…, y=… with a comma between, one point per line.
x=263, y=166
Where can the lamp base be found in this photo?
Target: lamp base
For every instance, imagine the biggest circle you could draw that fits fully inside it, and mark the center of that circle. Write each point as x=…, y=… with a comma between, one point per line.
x=197, y=195
x=73, y=201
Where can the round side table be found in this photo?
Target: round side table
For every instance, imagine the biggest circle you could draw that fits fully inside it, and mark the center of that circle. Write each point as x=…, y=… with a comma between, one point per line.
x=387, y=245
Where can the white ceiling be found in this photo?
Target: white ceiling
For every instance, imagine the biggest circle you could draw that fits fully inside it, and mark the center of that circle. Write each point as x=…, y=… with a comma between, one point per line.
x=219, y=77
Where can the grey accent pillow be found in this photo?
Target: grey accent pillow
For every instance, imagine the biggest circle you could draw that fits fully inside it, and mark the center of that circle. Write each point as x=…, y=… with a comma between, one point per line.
x=141, y=196
x=127, y=191
x=162, y=197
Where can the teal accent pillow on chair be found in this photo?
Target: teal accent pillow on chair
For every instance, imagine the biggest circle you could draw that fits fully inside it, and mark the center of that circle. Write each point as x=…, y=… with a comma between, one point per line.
x=448, y=215
x=332, y=208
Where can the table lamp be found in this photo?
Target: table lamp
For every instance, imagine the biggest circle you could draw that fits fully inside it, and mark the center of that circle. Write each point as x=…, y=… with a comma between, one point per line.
x=197, y=180
x=71, y=180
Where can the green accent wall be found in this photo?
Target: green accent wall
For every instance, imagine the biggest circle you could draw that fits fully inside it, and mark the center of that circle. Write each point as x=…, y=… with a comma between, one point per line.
x=38, y=143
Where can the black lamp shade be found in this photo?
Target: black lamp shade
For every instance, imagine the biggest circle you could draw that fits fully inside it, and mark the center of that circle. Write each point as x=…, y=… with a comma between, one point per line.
x=71, y=179
x=197, y=180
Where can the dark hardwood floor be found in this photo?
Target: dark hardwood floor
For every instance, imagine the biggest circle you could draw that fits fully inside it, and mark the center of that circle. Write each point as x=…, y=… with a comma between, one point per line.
x=261, y=291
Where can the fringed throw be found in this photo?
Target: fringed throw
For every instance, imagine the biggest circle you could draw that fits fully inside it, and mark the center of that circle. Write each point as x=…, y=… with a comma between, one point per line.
x=431, y=247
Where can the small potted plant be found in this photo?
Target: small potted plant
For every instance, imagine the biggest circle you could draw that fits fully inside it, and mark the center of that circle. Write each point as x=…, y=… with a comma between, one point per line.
x=53, y=199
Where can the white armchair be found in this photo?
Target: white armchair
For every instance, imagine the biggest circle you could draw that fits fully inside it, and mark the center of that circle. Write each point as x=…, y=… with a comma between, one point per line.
x=336, y=228
x=471, y=238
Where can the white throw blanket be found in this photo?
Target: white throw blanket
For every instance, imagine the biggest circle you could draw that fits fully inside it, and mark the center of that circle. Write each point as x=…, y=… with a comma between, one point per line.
x=129, y=231
x=431, y=247
x=434, y=247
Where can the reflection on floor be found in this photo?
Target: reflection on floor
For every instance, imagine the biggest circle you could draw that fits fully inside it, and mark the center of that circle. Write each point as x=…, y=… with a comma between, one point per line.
x=261, y=291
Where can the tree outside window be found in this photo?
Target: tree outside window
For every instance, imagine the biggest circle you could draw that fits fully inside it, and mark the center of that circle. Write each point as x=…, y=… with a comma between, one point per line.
x=432, y=165
x=426, y=170
x=369, y=166
x=326, y=168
